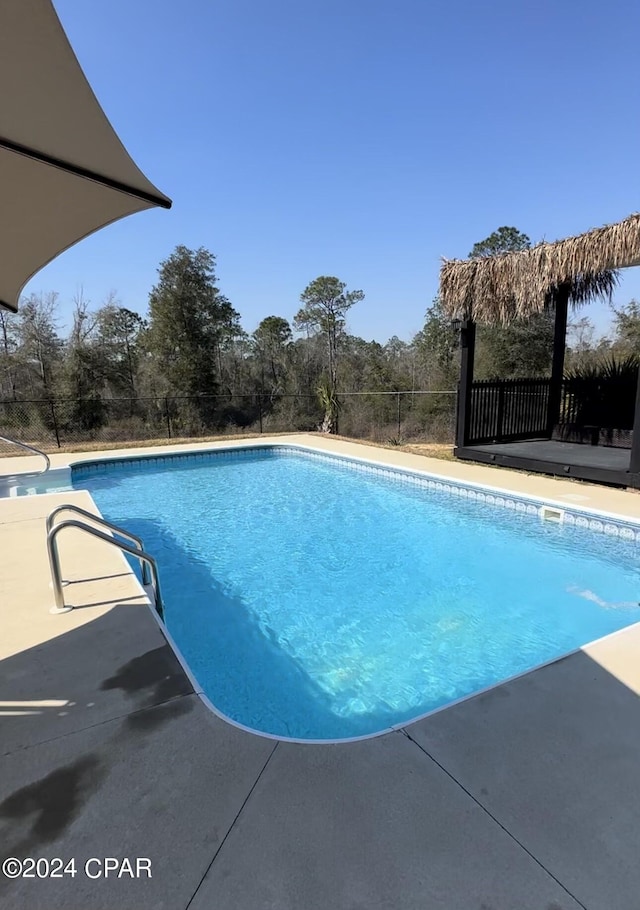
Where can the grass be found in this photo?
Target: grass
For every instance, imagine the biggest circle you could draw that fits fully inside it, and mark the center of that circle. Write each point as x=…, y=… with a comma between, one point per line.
x=440, y=450
x=431, y=450
x=100, y=445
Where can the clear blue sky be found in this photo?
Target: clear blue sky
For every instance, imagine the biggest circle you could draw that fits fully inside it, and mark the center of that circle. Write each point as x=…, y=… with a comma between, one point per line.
x=357, y=138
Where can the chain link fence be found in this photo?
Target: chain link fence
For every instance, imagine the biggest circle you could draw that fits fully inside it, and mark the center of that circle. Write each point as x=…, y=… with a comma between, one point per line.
x=391, y=417
x=398, y=417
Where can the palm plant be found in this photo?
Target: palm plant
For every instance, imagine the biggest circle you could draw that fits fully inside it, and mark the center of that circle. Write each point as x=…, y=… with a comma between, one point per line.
x=604, y=393
x=329, y=402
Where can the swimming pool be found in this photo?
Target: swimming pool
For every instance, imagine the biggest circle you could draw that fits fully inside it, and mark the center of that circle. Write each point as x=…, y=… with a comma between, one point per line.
x=314, y=597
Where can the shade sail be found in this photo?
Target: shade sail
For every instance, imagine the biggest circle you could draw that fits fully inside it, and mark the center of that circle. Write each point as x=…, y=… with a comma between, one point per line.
x=64, y=173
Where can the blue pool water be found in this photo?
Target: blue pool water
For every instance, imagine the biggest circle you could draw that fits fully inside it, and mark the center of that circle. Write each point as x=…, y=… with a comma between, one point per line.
x=315, y=601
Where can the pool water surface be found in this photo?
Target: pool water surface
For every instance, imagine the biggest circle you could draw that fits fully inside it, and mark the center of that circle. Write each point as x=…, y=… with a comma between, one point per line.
x=315, y=601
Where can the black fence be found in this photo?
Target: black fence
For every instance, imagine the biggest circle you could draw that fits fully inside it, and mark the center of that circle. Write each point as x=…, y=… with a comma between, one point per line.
x=508, y=409
x=595, y=410
x=392, y=417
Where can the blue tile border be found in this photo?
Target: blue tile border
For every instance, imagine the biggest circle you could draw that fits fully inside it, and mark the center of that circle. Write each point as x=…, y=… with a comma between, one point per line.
x=572, y=516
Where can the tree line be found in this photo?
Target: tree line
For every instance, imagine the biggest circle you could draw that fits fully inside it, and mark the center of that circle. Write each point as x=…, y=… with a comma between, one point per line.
x=191, y=350
x=190, y=353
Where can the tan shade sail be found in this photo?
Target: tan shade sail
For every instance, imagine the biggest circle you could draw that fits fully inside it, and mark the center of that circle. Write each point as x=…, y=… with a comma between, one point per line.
x=63, y=171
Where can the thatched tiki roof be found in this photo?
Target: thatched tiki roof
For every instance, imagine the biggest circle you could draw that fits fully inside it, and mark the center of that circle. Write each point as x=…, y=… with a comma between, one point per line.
x=517, y=285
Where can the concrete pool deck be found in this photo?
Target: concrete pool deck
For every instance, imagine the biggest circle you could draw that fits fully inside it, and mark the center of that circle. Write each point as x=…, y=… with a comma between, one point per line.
x=521, y=797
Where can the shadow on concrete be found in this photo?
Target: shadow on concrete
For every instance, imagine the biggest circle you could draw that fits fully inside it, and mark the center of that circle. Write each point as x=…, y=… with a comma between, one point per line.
x=554, y=756
x=104, y=746
x=80, y=680
x=45, y=808
x=117, y=663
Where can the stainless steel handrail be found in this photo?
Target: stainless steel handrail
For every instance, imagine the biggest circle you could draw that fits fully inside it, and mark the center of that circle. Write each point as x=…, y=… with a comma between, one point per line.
x=28, y=448
x=105, y=524
x=54, y=562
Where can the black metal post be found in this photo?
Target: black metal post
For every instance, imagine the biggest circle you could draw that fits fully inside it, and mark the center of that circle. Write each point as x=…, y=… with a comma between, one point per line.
x=55, y=421
x=557, y=364
x=166, y=411
x=467, y=355
x=634, y=458
x=260, y=409
x=261, y=384
x=500, y=418
x=399, y=419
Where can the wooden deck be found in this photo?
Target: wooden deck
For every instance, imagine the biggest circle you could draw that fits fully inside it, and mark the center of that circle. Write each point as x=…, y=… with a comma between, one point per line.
x=602, y=464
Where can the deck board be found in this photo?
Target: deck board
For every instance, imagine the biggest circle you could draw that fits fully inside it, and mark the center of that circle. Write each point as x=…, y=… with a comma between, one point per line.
x=571, y=453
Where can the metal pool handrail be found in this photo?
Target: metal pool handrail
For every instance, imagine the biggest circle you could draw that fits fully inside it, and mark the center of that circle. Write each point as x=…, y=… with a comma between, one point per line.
x=105, y=524
x=54, y=562
x=28, y=448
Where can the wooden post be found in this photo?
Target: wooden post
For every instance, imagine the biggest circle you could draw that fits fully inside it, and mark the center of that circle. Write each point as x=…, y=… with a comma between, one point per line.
x=557, y=364
x=634, y=458
x=468, y=348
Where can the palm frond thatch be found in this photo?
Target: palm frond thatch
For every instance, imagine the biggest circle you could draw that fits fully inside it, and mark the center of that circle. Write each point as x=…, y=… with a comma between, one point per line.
x=517, y=285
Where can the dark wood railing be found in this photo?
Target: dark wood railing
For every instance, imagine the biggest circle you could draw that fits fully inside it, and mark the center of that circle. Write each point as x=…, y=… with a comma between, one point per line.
x=504, y=410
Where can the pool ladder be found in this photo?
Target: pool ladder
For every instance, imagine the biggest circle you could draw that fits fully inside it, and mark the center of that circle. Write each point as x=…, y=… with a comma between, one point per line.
x=28, y=448
x=135, y=547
